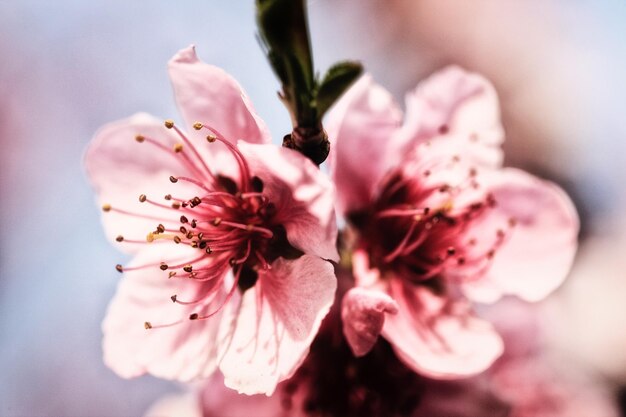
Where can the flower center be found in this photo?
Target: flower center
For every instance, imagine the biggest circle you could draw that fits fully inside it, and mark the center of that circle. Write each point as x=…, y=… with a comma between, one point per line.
x=229, y=222
x=419, y=228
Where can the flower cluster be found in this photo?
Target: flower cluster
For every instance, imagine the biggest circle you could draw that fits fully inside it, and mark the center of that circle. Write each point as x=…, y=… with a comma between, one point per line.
x=234, y=241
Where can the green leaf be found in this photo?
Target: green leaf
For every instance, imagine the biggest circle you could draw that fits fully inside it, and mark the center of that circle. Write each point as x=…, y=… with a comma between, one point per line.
x=336, y=81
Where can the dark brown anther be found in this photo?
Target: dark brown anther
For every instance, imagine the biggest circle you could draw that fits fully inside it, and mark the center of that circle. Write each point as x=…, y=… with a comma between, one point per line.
x=451, y=251
x=140, y=138
x=142, y=198
x=163, y=267
x=169, y=123
x=177, y=240
x=211, y=138
x=443, y=129
x=106, y=208
x=444, y=188
x=184, y=204
x=147, y=325
x=200, y=235
x=168, y=197
x=119, y=238
x=202, y=244
x=173, y=179
x=184, y=219
x=119, y=268
x=193, y=316
x=208, y=250
x=176, y=205
x=426, y=211
x=196, y=201
x=188, y=268
x=490, y=254
x=189, y=235
x=257, y=184
x=173, y=298
x=183, y=230
x=193, y=223
x=194, y=244
x=460, y=261
x=160, y=228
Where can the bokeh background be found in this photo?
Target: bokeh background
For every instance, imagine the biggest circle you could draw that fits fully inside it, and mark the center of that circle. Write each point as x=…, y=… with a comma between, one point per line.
x=69, y=66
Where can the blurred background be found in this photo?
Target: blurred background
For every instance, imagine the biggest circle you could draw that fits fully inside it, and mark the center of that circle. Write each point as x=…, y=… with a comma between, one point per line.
x=68, y=67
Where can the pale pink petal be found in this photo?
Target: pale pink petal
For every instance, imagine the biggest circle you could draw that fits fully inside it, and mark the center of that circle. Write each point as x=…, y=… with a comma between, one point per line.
x=365, y=276
x=182, y=404
x=184, y=351
x=120, y=169
x=359, y=128
x=539, y=249
x=220, y=401
x=209, y=95
x=272, y=325
x=438, y=338
x=452, y=101
x=363, y=314
x=303, y=196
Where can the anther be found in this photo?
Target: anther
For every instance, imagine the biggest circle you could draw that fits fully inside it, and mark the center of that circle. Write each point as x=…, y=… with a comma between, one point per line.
x=160, y=228
x=187, y=268
x=197, y=125
x=178, y=148
x=491, y=253
x=147, y=325
x=176, y=205
x=193, y=223
x=142, y=198
x=163, y=267
x=189, y=235
x=193, y=316
x=426, y=211
x=171, y=274
x=119, y=268
x=177, y=240
x=168, y=197
x=119, y=238
x=106, y=207
x=443, y=129
x=140, y=138
x=196, y=201
x=173, y=298
x=169, y=123
x=202, y=244
x=173, y=179
x=183, y=219
x=451, y=251
x=211, y=138
x=460, y=261
x=217, y=221
x=183, y=230
x=208, y=250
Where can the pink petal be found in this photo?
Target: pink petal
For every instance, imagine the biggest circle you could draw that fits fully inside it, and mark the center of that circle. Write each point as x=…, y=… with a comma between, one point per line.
x=120, y=169
x=303, y=196
x=360, y=127
x=363, y=315
x=439, y=339
x=273, y=324
x=455, y=102
x=541, y=246
x=182, y=352
x=209, y=95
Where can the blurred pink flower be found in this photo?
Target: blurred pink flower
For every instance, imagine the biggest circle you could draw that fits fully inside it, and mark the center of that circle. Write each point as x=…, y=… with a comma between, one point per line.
x=439, y=222
x=233, y=271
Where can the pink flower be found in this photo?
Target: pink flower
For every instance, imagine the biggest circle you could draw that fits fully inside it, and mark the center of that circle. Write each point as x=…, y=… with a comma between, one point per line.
x=439, y=222
x=229, y=239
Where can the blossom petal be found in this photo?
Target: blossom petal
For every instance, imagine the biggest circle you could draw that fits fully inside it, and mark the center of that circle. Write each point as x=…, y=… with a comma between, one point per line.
x=363, y=315
x=120, y=169
x=207, y=94
x=541, y=246
x=303, y=196
x=184, y=351
x=359, y=127
x=271, y=328
x=452, y=101
x=439, y=338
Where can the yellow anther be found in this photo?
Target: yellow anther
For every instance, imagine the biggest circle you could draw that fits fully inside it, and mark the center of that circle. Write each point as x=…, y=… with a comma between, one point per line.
x=140, y=138
x=169, y=123
x=147, y=325
x=211, y=138
x=178, y=147
x=106, y=207
x=197, y=125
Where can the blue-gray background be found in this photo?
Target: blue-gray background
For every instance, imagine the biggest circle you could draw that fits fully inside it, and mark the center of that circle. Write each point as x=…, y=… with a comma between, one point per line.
x=67, y=67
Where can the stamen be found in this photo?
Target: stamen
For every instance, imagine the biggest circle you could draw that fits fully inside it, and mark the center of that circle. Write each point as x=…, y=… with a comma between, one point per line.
x=119, y=238
x=142, y=198
x=106, y=208
x=119, y=268
x=169, y=123
x=140, y=138
x=178, y=147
